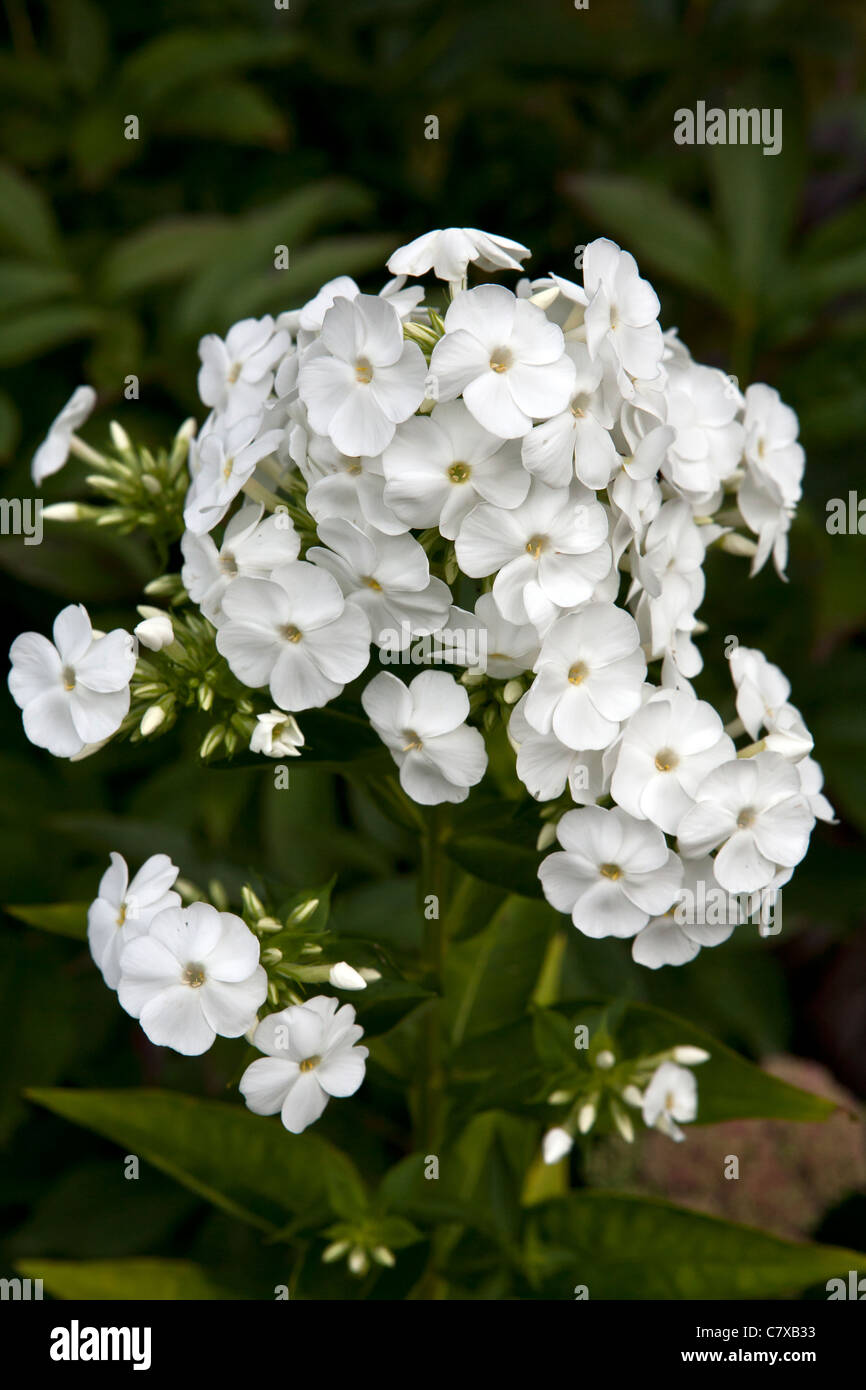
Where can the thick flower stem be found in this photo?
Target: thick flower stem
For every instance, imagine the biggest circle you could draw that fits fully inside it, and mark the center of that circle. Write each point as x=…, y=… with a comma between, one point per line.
x=430, y=886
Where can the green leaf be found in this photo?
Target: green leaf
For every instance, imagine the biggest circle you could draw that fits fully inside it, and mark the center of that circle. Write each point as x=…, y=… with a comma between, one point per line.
x=246, y=1165
x=162, y=252
x=658, y=229
x=488, y=980
x=233, y=112
x=26, y=220
x=27, y=282
x=175, y=1280
x=630, y=1247
x=185, y=58
x=38, y=331
x=64, y=919
x=495, y=861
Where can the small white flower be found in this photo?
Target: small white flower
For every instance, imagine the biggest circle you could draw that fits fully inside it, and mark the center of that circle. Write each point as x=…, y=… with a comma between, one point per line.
x=548, y=553
x=226, y=458
x=250, y=547
x=612, y=874
x=762, y=689
x=754, y=809
x=277, y=735
x=771, y=449
x=194, y=975
x=666, y=750
x=361, y=379
x=351, y=488
x=238, y=373
x=589, y=677
x=702, y=409
x=124, y=910
x=671, y=1096
x=439, y=466
x=75, y=691
x=506, y=359
x=787, y=734
x=503, y=649
x=577, y=442
x=54, y=449
x=387, y=577
x=556, y=1144
x=448, y=251
x=622, y=311
x=423, y=725
x=311, y=1055
x=155, y=633
x=294, y=632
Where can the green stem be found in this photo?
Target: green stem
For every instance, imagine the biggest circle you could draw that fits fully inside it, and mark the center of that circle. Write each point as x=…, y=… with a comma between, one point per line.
x=430, y=885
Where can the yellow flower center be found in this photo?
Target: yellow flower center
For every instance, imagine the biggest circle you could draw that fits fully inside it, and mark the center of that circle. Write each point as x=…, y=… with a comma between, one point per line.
x=194, y=976
x=363, y=371
x=459, y=472
x=291, y=633
x=535, y=545
x=611, y=871
x=578, y=673
x=666, y=760
x=309, y=1063
x=500, y=360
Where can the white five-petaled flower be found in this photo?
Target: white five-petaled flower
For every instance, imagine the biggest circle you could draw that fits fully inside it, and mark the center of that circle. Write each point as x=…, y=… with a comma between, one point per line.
x=666, y=750
x=237, y=373
x=195, y=974
x=577, y=442
x=622, y=312
x=123, y=910
x=505, y=358
x=545, y=765
x=448, y=251
x=423, y=725
x=361, y=379
x=612, y=874
x=387, y=577
x=671, y=1096
x=74, y=691
x=771, y=448
x=250, y=547
x=589, y=677
x=755, y=810
x=54, y=449
x=226, y=457
x=439, y=466
x=294, y=632
x=311, y=1054
x=548, y=553
x=277, y=735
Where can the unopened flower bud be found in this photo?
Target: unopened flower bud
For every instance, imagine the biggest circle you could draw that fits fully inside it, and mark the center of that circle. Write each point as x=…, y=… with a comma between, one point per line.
x=155, y=632
x=556, y=1144
x=151, y=720
x=689, y=1056
x=342, y=976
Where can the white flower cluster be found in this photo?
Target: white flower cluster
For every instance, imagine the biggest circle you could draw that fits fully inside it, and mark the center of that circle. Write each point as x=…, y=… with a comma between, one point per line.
x=190, y=974
x=553, y=459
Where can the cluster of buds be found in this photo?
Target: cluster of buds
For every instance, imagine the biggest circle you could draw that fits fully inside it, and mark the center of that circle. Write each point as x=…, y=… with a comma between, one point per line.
x=291, y=946
x=143, y=489
x=659, y=1086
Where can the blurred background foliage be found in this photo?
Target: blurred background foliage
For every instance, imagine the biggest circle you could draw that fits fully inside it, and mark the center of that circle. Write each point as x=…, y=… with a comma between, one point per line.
x=305, y=127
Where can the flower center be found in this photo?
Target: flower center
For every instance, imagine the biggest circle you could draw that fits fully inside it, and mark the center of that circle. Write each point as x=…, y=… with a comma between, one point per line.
x=670, y=1101
x=234, y=373
x=746, y=818
x=194, y=976
x=354, y=468
x=68, y=678
x=227, y=468
x=500, y=359
x=363, y=371
x=228, y=563
x=372, y=583
x=578, y=673
x=291, y=633
x=309, y=1063
x=121, y=916
x=535, y=545
x=412, y=740
x=611, y=871
x=459, y=472
x=666, y=760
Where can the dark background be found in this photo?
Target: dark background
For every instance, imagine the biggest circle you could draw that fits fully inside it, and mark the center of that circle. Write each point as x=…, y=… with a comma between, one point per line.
x=306, y=127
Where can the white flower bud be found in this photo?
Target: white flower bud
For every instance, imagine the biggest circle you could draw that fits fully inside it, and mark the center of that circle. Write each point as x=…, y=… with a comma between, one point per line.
x=556, y=1144
x=155, y=633
x=605, y=1059
x=342, y=976
x=586, y=1116
x=689, y=1056
x=151, y=720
